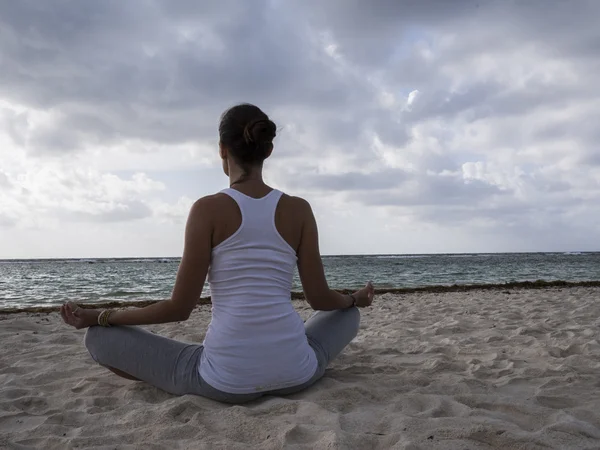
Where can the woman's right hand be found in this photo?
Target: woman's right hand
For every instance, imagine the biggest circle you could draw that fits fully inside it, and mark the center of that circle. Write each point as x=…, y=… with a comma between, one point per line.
x=78, y=317
x=364, y=296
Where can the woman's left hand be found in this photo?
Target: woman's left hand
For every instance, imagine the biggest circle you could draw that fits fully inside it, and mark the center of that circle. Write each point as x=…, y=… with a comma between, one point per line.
x=78, y=317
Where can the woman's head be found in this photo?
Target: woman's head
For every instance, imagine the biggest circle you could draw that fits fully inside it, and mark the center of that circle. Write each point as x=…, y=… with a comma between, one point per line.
x=246, y=135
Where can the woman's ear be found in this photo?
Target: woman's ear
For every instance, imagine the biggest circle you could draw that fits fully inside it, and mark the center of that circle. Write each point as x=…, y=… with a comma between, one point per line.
x=224, y=160
x=270, y=152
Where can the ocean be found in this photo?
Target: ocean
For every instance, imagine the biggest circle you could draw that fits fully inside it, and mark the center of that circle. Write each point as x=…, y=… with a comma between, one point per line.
x=32, y=283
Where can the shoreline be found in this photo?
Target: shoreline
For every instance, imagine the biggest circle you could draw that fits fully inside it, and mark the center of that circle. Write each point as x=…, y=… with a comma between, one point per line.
x=436, y=289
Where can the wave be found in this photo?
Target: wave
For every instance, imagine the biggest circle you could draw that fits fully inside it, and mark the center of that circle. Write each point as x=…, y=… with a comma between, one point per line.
x=126, y=260
x=440, y=255
x=121, y=293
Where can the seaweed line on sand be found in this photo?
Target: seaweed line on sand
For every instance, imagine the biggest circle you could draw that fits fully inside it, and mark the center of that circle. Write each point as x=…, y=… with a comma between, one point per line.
x=539, y=284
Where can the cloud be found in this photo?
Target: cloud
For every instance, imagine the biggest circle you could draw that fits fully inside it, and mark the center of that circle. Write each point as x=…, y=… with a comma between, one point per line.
x=50, y=193
x=110, y=212
x=466, y=113
x=6, y=220
x=4, y=182
x=109, y=71
x=173, y=212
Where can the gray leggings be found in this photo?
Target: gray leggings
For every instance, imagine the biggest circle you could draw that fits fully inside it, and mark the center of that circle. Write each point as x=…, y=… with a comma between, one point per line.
x=173, y=366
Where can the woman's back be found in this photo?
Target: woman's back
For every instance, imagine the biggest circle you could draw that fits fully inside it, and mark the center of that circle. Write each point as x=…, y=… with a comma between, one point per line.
x=256, y=340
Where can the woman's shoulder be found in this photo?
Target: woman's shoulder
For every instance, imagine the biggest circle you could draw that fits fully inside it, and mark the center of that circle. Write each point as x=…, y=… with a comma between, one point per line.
x=299, y=203
x=297, y=207
x=209, y=204
x=210, y=201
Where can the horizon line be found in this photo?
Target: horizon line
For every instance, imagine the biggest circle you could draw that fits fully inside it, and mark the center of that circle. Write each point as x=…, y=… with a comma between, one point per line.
x=83, y=258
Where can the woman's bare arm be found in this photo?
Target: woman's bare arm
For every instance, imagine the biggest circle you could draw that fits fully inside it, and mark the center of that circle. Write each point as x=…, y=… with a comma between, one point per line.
x=310, y=266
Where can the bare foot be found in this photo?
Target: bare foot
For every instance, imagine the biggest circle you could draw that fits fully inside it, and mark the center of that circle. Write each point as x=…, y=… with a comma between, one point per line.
x=364, y=296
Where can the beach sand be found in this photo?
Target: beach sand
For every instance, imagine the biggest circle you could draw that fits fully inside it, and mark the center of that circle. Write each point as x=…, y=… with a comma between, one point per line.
x=516, y=369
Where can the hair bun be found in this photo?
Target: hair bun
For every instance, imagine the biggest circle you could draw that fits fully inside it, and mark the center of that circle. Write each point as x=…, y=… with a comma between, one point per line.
x=247, y=133
x=261, y=131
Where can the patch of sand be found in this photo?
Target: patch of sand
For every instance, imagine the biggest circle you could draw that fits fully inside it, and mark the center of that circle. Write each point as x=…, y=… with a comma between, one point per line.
x=515, y=369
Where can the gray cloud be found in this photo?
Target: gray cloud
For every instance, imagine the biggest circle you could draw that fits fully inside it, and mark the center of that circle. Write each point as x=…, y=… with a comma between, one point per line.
x=350, y=181
x=499, y=81
x=369, y=32
x=146, y=70
x=163, y=71
x=433, y=191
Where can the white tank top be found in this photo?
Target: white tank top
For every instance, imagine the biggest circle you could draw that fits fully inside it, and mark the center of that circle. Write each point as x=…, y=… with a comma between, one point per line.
x=256, y=340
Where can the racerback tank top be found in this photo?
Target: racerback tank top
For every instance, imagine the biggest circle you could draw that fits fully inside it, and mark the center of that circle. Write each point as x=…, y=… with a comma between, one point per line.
x=256, y=340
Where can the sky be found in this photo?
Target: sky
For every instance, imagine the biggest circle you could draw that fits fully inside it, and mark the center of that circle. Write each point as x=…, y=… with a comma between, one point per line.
x=411, y=127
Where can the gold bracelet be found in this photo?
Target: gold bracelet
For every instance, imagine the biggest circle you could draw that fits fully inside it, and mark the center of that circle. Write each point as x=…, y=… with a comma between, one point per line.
x=106, y=317
x=103, y=318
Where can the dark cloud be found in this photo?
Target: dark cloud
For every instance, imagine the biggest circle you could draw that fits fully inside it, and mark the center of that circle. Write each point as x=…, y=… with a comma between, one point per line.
x=350, y=181
x=146, y=70
x=433, y=191
x=163, y=71
x=369, y=32
x=380, y=37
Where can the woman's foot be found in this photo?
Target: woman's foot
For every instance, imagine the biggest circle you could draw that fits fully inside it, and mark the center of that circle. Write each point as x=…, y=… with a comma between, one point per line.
x=364, y=296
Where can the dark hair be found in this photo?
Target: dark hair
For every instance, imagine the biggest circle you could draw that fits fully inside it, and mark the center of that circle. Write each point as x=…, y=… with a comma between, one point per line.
x=247, y=133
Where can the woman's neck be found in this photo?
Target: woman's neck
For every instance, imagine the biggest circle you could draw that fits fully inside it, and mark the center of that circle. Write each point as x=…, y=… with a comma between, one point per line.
x=239, y=177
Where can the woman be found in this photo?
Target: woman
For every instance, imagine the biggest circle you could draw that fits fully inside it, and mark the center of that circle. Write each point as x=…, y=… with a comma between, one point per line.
x=248, y=239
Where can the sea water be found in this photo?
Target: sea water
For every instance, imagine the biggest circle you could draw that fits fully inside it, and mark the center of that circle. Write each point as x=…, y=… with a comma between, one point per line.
x=27, y=283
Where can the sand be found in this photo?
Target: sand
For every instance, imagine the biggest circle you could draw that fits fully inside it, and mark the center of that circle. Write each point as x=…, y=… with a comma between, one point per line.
x=515, y=369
